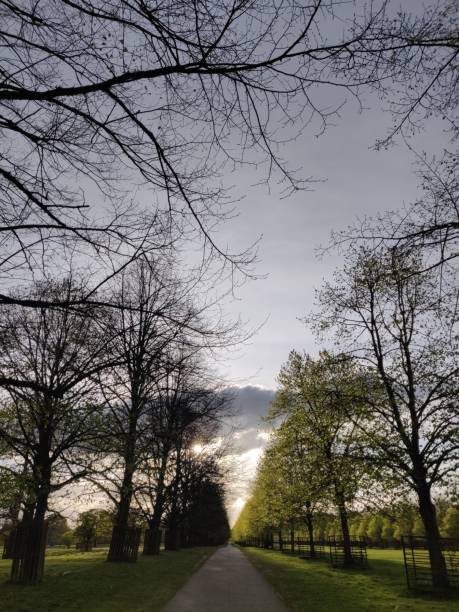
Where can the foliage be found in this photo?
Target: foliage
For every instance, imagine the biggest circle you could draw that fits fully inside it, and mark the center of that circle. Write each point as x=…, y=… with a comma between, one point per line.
x=322, y=402
x=398, y=321
x=450, y=526
x=57, y=528
x=310, y=464
x=382, y=528
x=94, y=528
x=85, y=531
x=68, y=538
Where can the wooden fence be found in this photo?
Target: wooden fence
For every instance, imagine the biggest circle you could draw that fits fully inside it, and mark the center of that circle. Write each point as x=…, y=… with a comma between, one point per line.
x=26, y=546
x=124, y=545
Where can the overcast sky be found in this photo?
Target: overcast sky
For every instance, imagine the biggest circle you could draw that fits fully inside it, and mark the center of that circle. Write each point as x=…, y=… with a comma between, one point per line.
x=358, y=181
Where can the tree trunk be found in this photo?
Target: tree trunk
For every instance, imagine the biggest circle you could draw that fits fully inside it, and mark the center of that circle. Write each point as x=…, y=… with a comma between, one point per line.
x=187, y=538
x=28, y=565
x=429, y=519
x=115, y=552
x=310, y=526
x=119, y=534
x=281, y=542
x=344, y=528
x=292, y=540
x=152, y=543
x=172, y=539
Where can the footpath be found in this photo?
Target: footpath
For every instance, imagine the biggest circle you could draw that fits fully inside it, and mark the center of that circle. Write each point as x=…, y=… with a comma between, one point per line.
x=227, y=582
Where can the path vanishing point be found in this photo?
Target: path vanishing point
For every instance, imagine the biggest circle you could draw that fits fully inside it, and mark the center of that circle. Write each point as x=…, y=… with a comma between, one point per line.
x=227, y=582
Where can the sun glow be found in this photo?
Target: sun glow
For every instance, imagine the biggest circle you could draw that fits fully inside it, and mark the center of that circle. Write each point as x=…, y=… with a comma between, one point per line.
x=239, y=503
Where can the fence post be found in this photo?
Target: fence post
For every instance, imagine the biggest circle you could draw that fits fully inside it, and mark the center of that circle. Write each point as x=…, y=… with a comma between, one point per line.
x=405, y=562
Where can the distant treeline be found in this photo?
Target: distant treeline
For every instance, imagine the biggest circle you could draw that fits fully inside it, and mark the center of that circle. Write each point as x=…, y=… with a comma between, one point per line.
x=383, y=528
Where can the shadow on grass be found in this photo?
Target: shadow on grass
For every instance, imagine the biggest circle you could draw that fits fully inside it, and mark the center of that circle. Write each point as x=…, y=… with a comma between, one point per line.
x=391, y=573
x=315, y=586
x=84, y=582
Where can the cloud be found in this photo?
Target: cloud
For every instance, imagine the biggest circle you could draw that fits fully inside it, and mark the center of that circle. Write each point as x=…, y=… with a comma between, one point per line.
x=251, y=404
x=250, y=436
x=264, y=435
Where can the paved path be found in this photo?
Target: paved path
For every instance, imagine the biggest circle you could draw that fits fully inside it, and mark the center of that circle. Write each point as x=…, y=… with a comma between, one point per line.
x=227, y=582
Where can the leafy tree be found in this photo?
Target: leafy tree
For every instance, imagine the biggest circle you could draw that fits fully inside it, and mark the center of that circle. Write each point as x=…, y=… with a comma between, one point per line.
x=57, y=527
x=387, y=530
x=94, y=527
x=450, y=528
x=11, y=486
x=203, y=520
x=313, y=393
x=400, y=324
x=288, y=478
x=68, y=538
x=354, y=526
x=85, y=531
x=374, y=530
x=364, y=526
x=404, y=524
x=240, y=529
x=104, y=526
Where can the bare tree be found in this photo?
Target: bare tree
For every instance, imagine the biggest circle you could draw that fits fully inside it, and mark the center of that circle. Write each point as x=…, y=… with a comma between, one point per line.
x=167, y=420
x=412, y=56
x=187, y=417
x=55, y=353
x=202, y=514
x=102, y=98
x=429, y=226
x=157, y=319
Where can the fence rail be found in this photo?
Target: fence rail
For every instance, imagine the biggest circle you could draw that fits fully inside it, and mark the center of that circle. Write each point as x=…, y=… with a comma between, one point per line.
x=124, y=545
x=332, y=549
x=318, y=550
x=418, y=568
x=342, y=556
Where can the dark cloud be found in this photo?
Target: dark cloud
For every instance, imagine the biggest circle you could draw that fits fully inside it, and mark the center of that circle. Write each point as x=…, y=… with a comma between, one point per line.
x=250, y=406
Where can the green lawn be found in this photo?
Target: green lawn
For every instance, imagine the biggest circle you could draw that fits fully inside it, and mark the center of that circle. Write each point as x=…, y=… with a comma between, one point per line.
x=84, y=582
x=313, y=586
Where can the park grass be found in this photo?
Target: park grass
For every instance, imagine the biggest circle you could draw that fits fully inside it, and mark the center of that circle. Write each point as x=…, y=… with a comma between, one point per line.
x=313, y=586
x=84, y=582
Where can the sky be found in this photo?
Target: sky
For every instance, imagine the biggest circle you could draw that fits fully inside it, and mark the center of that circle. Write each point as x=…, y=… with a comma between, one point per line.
x=358, y=181
x=353, y=180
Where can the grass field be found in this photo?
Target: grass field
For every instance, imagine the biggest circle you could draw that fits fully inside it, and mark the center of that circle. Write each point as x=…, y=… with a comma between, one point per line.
x=313, y=586
x=84, y=582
